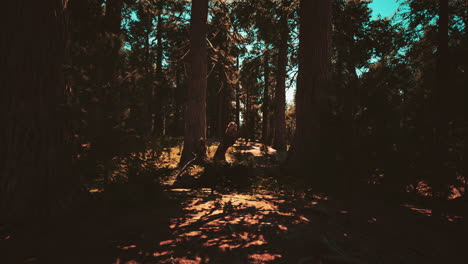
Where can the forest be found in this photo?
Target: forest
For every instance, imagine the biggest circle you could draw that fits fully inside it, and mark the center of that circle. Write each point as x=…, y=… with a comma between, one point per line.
x=233, y=131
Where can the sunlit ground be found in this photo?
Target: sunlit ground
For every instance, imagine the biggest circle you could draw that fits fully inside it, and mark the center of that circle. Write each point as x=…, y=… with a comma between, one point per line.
x=234, y=228
x=261, y=225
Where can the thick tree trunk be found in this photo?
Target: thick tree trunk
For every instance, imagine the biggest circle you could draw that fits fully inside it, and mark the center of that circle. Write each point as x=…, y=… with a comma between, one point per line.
x=439, y=110
x=195, y=115
x=279, y=141
x=266, y=99
x=313, y=76
x=36, y=176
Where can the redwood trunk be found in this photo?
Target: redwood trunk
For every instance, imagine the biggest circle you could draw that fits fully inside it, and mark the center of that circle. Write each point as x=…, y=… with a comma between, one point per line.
x=279, y=141
x=313, y=77
x=195, y=115
x=440, y=107
x=36, y=175
x=266, y=100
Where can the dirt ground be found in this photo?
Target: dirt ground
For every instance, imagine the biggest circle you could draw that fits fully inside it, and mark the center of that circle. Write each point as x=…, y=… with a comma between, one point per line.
x=194, y=225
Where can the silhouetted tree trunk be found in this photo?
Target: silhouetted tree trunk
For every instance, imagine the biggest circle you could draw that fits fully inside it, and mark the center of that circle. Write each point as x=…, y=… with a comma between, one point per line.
x=229, y=138
x=313, y=76
x=158, y=113
x=279, y=141
x=102, y=121
x=266, y=99
x=36, y=175
x=439, y=111
x=238, y=97
x=177, y=130
x=465, y=113
x=348, y=135
x=195, y=114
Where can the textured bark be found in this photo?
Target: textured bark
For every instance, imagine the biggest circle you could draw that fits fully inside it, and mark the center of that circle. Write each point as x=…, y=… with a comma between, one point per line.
x=36, y=176
x=195, y=115
x=238, y=97
x=266, y=99
x=279, y=141
x=440, y=106
x=313, y=77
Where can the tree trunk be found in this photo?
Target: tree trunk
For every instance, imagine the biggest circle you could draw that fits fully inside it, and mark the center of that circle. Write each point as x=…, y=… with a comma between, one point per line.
x=279, y=141
x=158, y=120
x=348, y=131
x=229, y=138
x=313, y=76
x=266, y=99
x=36, y=176
x=439, y=110
x=101, y=120
x=238, y=96
x=465, y=113
x=195, y=115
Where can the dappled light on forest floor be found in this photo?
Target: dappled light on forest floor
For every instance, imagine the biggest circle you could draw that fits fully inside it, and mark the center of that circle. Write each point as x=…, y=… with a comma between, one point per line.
x=230, y=226
x=428, y=212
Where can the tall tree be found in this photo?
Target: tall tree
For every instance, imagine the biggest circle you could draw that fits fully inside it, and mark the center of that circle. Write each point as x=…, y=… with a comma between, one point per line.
x=36, y=157
x=266, y=98
x=195, y=113
x=440, y=106
x=279, y=141
x=313, y=77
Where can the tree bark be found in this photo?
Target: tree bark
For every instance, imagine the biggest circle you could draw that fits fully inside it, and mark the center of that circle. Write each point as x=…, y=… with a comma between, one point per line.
x=36, y=176
x=158, y=120
x=195, y=115
x=266, y=99
x=439, y=110
x=279, y=142
x=313, y=76
x=238, y=96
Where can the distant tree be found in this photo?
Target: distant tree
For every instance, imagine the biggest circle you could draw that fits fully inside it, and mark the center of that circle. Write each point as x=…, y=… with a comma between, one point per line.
x=195, y=113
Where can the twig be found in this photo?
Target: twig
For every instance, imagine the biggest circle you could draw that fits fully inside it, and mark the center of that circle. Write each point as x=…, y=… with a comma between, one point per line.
x=186, y=165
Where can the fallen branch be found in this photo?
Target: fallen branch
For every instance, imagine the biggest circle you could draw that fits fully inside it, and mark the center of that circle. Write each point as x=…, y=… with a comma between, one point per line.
x=186, y=165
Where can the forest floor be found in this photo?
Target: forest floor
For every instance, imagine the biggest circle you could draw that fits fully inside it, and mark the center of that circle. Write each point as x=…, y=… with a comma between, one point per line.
x=262, y=224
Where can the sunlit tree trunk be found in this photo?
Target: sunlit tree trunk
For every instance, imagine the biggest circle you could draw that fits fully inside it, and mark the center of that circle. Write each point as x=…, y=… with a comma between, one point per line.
x=36, y=175
x=195, y=115
x=313, y=77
